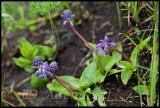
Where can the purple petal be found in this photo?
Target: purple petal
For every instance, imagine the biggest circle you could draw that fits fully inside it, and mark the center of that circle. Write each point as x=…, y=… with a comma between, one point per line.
x=72, y=16
x=112, y=44
x=64, y=22
x=106, y=39
x=37, y=72
x=34, y=67
x=71, y=23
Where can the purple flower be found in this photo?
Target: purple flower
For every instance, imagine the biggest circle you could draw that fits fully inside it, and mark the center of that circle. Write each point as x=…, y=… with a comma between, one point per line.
x=37, y=60
x=43, y=69
x=67, y=15
x=53, y=66
x=104, y=44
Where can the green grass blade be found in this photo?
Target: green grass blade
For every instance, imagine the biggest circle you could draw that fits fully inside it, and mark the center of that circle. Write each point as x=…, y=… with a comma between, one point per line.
x=131, y=40
x=119, y=16
x=139, y=85
x=19, y=99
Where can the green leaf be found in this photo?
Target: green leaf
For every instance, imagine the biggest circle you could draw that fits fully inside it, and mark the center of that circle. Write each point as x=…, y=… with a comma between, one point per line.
x=140, y=89
x=109, y=61
x=55, y=86
x=25, y=47
x=98, y=94
x=34, y=51
x=23, y=62
x=126, y=74
x=74, y=81
x=82, y=100
x=37, y=83
x=46, y=51
x=128, y=64
x=87, y=77
x=27, y=50
x=88, y=101
x=99, y=77
x=30, y=70
x=137, y=30
x=113, y=71
x=135, y=52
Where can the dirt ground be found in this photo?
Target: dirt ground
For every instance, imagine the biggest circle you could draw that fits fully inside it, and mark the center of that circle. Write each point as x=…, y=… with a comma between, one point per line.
x=72, y=51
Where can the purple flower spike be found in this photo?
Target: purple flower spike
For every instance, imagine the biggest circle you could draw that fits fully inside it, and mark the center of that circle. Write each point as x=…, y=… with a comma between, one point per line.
x=103, y=44
x=67, y=15
x=37, y=60
x=43, y=69
x=53, y=66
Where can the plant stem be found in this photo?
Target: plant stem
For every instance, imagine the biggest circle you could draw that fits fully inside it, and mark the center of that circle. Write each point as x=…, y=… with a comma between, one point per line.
x=87, y=44
x=62, y=80
x=127, y=58
x=62, y=84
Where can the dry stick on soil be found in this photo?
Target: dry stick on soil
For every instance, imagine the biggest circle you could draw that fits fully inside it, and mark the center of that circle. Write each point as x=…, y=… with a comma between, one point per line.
x=87, y=44
x=23, y=81
x=135, y=33
x=26, y=94
x=62, y=84
x=134, y=28
x=8, y=102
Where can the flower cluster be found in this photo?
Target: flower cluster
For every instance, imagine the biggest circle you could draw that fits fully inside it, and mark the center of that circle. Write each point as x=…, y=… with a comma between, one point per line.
x=67, y=15
x=104, y=44
x=43, y=68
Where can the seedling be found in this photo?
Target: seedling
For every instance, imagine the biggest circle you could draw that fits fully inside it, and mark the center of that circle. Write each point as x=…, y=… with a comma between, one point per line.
x=29, y=52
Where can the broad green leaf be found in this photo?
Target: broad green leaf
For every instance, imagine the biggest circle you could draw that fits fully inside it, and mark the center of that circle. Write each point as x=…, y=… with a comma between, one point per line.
x=113, y=71
x=98, y=94
x=30, y=70
x=46, y=51
x=55, y=86
x=128, y=64
x=109, y=61
x=87, y=77
x=37, y=83
x=25, y=47
x=126, y=74
x=99, y=77
x=118, y=47
x=81, y=100
x=88, y=101
x=23, y=62
x=140, y=89
x=135, y=52
x=34, y=51
x=74, y=81
x=144, y=43
x=120, y=65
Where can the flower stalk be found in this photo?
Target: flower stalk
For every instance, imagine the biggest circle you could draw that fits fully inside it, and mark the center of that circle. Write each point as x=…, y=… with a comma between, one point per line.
x=87, y=44
x=57, y=79
x=126, y=57
x=44, y=71
x=67, y=16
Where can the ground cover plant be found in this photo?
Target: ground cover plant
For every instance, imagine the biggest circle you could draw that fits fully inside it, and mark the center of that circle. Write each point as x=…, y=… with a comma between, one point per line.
x=73, y=54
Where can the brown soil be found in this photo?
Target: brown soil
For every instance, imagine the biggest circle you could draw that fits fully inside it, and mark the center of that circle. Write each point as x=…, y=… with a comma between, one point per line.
x=72, y=51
